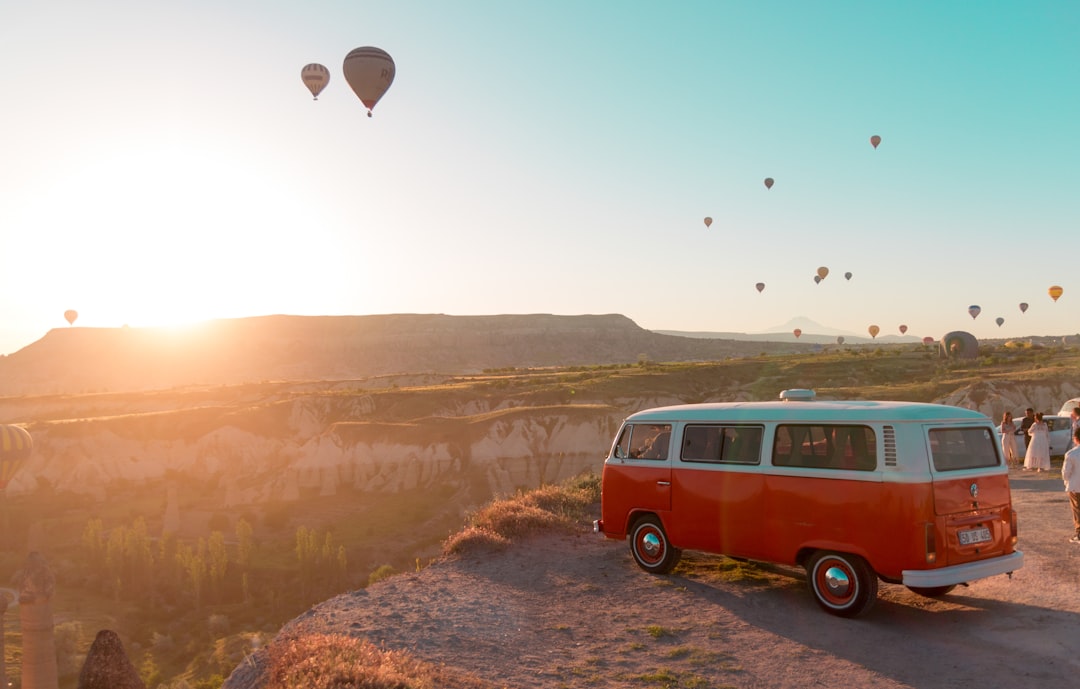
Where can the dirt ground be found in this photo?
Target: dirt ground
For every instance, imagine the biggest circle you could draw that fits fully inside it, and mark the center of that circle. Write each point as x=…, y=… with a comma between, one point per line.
x=575, y=611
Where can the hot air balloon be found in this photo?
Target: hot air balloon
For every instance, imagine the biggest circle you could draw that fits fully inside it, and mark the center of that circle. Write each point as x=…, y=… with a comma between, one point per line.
x=70, y=315
x=315, y=77
x=974, y=311
x=839, y=339
x=847, y=275
x=369, y=71
x=823, y=272
x=797, y=331
x=875, y=140
x=708, y=221
x=768, y=182
x=1055, y=292
x=817, y=279
x=760, y=286
x=903, y=329
x=873, y=330
x=999, y=320
x=1023, y=307
x=928, y=340
x=15, y=446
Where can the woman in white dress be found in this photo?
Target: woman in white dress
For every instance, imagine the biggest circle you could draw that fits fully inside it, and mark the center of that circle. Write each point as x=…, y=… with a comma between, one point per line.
x=1038, y=451
x=1008, y=439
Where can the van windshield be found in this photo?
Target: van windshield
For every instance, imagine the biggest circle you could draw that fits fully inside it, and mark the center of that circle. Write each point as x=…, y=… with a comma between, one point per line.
x=953, y=449
x=644, y=441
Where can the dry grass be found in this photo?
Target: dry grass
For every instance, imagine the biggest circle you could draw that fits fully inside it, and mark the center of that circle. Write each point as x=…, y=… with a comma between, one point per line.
x=324, y=661
x=551, y=508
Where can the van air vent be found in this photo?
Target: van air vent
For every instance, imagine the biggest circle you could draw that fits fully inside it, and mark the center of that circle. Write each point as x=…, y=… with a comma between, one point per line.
x=889, y=436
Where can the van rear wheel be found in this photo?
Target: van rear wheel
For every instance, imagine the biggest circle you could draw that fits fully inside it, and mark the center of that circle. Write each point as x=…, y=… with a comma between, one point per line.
x=650, y=546
x=932, y=591
x=842, y=584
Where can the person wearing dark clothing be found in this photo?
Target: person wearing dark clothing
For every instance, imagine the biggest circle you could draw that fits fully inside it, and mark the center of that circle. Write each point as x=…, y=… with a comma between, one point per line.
x=1025, y=424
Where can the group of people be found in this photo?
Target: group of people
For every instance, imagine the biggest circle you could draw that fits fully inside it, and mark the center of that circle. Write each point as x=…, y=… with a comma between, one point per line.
x=1037, y=456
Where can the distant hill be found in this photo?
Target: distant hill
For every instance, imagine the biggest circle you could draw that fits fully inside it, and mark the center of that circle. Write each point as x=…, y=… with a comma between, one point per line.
x=812, y=333
x=268, y=348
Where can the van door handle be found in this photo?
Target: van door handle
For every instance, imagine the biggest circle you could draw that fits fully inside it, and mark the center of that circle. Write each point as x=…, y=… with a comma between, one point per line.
x=663, y=483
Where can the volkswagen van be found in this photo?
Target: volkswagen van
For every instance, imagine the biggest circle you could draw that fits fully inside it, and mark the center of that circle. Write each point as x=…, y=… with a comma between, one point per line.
x=856, y=491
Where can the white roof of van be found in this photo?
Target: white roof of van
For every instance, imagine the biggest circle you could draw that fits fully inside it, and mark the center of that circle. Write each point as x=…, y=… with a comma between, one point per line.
x=819, y=410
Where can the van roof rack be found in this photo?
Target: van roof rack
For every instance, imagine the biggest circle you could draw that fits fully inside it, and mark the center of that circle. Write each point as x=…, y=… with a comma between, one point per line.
x=798, y=395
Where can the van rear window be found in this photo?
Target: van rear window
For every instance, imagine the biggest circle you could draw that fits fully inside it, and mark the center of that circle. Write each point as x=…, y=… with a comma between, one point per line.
x=722, y=444
x=825, y=446
x=963, y=448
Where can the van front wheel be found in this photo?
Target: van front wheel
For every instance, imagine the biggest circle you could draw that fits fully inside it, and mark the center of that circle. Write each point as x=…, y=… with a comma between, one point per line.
x=651, y=548
x=842, y=584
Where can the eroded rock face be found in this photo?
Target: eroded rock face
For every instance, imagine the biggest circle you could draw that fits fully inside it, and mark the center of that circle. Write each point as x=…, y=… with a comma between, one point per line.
x=107, y=665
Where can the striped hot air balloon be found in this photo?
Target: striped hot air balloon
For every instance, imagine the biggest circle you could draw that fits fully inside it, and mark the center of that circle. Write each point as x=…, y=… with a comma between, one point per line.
x=369, y=71
x=315, y=77
x=15, y=447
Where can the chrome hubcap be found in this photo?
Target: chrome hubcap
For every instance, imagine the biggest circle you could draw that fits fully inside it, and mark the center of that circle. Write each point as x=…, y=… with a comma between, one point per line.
x=650, y=544
x=838, y=582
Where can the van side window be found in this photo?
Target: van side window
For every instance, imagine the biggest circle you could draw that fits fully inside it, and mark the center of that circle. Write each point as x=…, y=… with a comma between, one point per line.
x=644, y=441
x=963, y=448
x=852, y=448
x=724, y=444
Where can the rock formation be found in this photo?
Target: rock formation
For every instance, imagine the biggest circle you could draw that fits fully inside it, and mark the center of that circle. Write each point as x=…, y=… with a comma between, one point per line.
x=107, y=665
x=36, y=586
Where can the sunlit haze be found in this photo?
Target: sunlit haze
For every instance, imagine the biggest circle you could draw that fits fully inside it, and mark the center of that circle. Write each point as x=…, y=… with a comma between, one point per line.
x=163, y=163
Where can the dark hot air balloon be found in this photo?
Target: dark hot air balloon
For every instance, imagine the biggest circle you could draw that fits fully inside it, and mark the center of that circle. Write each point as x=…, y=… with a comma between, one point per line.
x=928, y=340
x=1023, y=307
x=759, y=286
x=999, y=320
x=369, y=71
x=768, y=182
x=708, y=221
x=847, y=275
x=797, y=331
x=903, y=329
x=875, y=140
x=974, y=310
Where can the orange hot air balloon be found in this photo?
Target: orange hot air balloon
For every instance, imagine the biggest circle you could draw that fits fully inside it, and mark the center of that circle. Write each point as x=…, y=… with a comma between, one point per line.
x=875, y=140
x=903, y=329
x=768, y=182
x=315, y=77
x=708, y=221
x=928, y=340
x=759, y=286
x=873, y=330
x=15, y=447
x=1055, y=292
x=1023, y=307
x=823, y=272
x=70, y=315
x=797, y=331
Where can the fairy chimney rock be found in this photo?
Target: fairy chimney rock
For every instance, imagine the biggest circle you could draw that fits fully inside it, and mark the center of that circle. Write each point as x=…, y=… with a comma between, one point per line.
x=107, y=665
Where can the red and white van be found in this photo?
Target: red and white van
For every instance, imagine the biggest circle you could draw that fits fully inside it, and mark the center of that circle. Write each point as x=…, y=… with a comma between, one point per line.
x=913, y=494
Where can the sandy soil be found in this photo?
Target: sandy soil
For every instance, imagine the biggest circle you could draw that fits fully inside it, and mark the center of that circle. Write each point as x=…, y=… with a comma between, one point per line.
x=575, y=611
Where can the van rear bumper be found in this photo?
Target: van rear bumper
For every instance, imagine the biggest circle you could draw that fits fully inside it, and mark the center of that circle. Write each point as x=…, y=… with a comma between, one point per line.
x=959, y=574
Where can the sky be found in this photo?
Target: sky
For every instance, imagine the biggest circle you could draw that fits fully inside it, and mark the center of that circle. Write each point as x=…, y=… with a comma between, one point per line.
x=162, y=163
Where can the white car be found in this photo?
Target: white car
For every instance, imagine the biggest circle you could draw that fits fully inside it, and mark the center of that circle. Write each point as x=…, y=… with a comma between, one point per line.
x=1060, y=434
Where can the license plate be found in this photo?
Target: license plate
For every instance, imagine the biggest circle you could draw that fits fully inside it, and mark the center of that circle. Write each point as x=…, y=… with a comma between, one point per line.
x=973, y=536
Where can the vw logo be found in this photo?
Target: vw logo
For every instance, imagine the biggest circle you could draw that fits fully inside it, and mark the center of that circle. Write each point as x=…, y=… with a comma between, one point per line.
x=974, y=490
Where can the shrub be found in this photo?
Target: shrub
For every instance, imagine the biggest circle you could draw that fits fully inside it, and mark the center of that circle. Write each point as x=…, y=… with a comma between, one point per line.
x=380, y=573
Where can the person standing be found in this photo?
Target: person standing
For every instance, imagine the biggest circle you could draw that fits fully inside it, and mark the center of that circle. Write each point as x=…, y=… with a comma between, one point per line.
x=1070, y=474
x=1025, y=424
x=1008, y=439
x=1037, y=457
x=1075, y=416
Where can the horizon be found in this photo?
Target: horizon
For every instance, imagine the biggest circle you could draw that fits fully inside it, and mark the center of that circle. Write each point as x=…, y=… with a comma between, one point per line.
x=188, y=175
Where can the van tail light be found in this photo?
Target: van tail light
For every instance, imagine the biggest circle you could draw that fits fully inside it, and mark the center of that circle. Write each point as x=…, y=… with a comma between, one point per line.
x=931, y=544
x=1013, y=533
